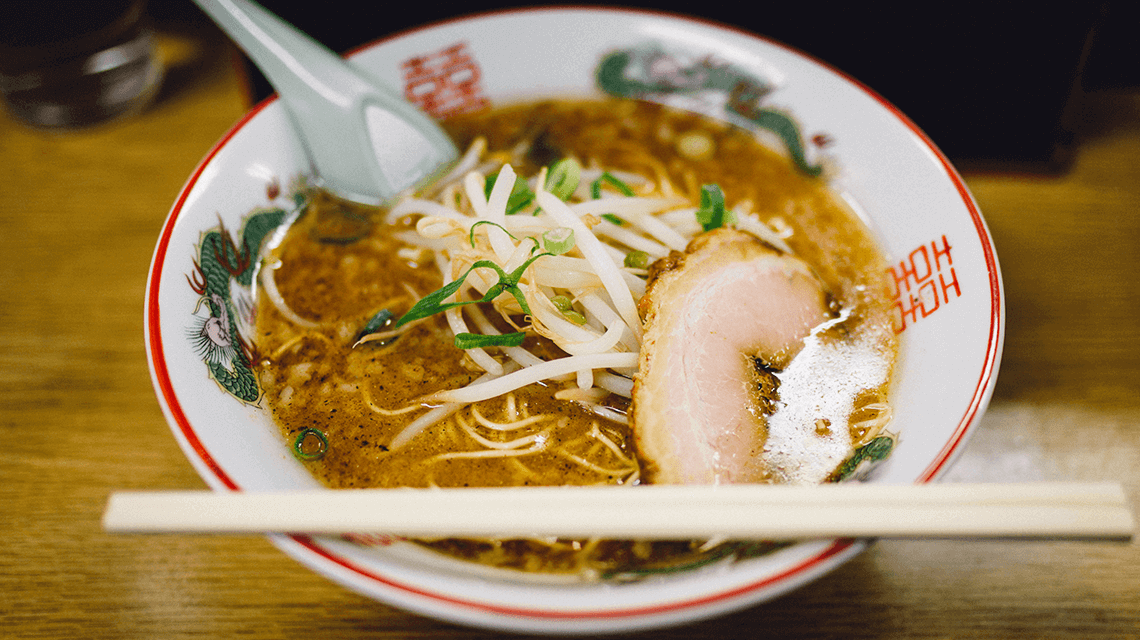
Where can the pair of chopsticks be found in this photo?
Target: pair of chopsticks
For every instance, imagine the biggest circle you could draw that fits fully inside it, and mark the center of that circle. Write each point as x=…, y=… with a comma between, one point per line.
x=1032, y=510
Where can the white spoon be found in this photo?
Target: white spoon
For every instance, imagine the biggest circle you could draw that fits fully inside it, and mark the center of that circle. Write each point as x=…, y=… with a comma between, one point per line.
x=367, y=144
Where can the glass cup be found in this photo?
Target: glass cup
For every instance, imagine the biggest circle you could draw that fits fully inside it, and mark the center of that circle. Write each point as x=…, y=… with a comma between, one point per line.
x=69, y=64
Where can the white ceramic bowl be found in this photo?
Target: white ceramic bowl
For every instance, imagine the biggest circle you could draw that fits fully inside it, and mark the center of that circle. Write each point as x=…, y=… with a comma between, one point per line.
x=950, y=305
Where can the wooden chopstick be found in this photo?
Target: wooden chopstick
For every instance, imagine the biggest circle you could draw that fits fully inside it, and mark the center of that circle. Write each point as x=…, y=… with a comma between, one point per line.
x=1032, y=510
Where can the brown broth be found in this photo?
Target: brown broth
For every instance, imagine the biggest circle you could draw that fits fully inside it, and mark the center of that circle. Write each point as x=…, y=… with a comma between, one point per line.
x=339, y=264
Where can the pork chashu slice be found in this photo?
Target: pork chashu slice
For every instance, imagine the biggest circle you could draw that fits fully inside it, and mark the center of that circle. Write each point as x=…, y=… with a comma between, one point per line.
x=713, y=315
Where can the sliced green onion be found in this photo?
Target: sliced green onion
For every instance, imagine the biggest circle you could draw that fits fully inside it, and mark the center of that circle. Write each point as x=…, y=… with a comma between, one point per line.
x=433, y=302
x=379, y=320
x=475, y=340
x=471, y=236
x=609, y=217
x=713, y=214
x=637, y=260
x=521, y=196
x=608, y=178
x=563, y=178
x=559, y=240
x=310, y=444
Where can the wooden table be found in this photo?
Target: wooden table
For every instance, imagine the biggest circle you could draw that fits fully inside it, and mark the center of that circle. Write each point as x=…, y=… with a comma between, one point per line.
x=79, y=214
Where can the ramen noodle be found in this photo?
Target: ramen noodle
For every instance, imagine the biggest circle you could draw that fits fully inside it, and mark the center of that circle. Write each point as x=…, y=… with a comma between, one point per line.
x=502, y=327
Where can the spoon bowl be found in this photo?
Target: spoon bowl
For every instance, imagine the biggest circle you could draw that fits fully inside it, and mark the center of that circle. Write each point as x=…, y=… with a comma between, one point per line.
x=367, y=143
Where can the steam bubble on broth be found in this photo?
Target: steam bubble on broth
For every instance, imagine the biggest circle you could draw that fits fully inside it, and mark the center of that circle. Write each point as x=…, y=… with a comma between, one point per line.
x=528, y=266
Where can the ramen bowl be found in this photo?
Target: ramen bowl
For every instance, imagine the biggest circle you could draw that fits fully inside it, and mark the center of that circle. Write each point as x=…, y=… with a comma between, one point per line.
x=943, y=281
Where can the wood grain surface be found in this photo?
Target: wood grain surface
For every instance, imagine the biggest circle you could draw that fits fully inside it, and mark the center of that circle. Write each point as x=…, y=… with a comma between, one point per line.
x=79, y=215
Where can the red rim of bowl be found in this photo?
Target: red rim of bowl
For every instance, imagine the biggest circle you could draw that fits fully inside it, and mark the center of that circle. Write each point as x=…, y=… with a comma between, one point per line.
x=977, y=403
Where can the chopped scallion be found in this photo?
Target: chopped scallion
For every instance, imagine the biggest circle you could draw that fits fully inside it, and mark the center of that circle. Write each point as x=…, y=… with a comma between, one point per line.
x=433, y=302
x=713, y=214
x=563, y=178
x=521, y=196
x=381, y=318
x=310, y=444
x=471, y=236
x=559, y=240
x=475, y=340
x=608, y=178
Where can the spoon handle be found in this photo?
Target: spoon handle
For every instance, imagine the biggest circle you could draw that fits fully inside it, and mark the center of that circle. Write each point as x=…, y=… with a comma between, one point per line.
x=367, y=143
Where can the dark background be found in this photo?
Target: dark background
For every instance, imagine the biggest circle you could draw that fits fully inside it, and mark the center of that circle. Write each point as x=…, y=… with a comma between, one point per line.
x=995, y=84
